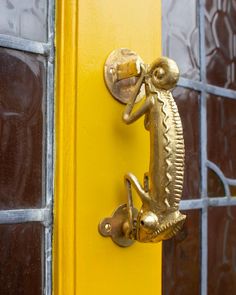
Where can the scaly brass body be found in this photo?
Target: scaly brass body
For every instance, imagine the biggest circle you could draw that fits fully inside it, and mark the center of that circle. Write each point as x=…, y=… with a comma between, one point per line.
x=159, y=217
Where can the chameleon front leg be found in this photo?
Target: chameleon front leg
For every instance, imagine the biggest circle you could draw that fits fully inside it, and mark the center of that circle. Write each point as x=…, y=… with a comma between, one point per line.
x=131, y=180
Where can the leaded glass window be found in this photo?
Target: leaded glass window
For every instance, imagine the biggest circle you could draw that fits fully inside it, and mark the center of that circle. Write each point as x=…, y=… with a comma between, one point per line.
x=26, y=145
x=200, y=36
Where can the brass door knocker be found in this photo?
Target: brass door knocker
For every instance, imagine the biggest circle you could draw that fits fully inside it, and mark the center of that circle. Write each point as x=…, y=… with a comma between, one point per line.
x=159, y=217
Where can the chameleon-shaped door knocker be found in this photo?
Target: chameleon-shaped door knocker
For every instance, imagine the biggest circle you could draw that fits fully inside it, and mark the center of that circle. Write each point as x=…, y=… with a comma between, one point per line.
x=159, y=217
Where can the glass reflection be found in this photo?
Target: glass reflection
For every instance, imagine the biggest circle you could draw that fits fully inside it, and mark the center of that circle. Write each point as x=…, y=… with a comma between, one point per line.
x=21, y=262
x=188, y=105
x=181, y=259
x=22, y=83
x=181, y=35
x=221, y=251
x=232, y=190
x=25, y=19
x=220, y=28
x=215, y=185
x=221, y=128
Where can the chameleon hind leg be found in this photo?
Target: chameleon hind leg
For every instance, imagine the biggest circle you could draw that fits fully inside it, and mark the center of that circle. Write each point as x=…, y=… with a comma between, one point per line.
x=132, y=181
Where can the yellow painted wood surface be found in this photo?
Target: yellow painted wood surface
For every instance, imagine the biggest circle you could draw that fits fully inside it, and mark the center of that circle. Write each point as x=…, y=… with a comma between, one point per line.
x=94, y=148
x=65, y=106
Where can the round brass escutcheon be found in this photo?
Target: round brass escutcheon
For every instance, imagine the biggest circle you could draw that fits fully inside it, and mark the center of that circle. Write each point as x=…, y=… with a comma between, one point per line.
x=121, y=72
x=113, y=226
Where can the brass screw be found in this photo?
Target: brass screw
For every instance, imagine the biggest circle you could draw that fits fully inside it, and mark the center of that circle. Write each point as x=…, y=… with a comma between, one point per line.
x=107, y=227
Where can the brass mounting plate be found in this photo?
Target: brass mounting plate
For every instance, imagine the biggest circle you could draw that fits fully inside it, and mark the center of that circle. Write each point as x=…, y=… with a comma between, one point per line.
x=113, y=226
x=121, y=72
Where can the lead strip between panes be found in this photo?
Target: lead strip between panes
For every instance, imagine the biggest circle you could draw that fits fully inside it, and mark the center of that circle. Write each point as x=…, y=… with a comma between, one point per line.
x=49, y=158
x=24, y=45
x=26, y=215
x=200, y=86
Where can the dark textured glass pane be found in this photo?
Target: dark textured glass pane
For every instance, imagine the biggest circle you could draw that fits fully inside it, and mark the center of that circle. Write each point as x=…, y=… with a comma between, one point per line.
x=221, y=127
x=215, y=185
x=221, y=251
x=232, y=190
x=180, y=35
x=21, y=129
x=21, y=261
x=25, y=19
x=181, y=259
x=220, y=42
x=187, y=101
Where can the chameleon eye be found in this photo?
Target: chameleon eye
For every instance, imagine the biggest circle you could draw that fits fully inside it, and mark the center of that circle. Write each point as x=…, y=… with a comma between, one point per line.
x=149, y=221
x=164, y=73
x=159, y=73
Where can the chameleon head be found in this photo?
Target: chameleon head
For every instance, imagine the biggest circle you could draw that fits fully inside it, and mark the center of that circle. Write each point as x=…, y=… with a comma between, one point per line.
x=163, y=73
x=155, y=228
x=148, y=221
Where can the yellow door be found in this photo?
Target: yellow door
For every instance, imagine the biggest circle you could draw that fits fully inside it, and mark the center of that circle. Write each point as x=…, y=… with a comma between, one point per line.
x=94, y=149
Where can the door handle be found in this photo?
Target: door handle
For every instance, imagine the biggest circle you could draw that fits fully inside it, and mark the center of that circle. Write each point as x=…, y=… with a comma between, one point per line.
x=130, y=80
